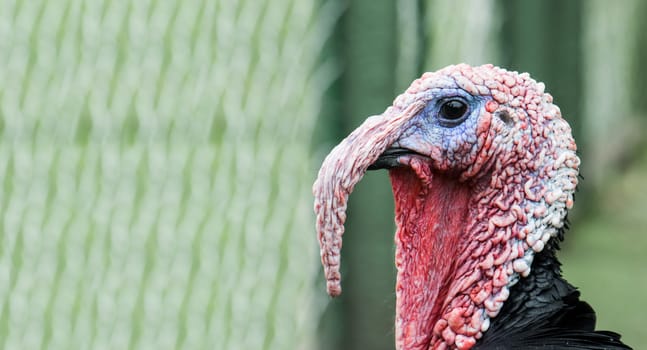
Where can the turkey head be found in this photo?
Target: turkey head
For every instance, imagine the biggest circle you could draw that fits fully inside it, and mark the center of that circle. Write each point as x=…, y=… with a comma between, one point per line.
x=483, y=170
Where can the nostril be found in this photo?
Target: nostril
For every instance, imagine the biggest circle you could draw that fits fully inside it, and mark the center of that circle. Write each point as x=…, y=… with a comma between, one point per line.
x=505, y=116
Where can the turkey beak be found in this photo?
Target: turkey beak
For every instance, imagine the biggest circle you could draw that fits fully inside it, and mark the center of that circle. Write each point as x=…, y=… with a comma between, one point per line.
x=389, y=158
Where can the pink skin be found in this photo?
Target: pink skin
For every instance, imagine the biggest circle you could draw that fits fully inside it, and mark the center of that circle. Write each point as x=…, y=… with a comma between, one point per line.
x=469, y=219
x=337, y=177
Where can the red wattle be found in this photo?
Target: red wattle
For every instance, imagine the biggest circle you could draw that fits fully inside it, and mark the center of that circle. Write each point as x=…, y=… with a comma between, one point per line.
x=431, y=213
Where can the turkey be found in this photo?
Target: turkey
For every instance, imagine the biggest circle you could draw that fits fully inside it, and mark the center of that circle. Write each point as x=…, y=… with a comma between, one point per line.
x=483, y=170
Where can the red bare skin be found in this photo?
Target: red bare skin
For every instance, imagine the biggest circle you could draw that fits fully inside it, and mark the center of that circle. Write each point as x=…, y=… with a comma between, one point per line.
x=431, y=212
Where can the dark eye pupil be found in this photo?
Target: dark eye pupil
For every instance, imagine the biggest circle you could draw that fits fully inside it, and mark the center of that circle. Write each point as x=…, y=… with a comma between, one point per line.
x=453, y=109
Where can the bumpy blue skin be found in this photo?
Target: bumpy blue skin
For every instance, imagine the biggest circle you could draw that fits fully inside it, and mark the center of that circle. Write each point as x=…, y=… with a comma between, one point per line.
x=456, y=139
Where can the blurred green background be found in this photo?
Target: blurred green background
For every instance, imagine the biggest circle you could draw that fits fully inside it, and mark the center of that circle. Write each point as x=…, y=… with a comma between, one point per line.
x=156, y=158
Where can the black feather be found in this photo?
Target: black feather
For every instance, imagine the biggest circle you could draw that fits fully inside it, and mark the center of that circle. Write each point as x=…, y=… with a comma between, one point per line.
x=544, y=311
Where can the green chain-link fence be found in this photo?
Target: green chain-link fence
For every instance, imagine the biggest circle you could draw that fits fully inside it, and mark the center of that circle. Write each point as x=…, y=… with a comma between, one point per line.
x=155, y=173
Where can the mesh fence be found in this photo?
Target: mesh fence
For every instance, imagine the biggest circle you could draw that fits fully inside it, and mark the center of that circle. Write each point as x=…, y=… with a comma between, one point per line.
x=155, y=173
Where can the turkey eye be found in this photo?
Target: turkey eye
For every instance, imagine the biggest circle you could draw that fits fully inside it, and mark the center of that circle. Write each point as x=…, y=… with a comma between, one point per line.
x=453, y=109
